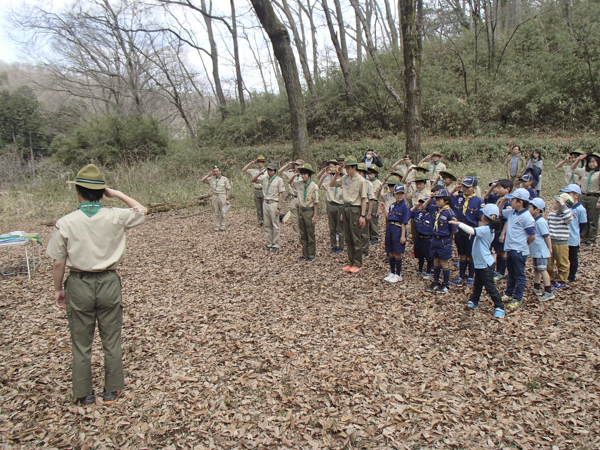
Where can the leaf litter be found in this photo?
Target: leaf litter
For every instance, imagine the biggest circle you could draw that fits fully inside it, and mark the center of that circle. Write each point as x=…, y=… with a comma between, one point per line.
x=228, y=346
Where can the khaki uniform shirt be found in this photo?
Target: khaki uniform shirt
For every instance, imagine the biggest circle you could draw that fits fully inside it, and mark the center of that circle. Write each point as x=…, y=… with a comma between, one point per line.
x=387, y=198
x=218, y=185
x=288, y=174
x=353, y=189
x=570, y=176
x=416, y=195
x=253, y=173
x=450, y=186
x=271, y=189
x=435, y=169
x=370, y=190
x=376, y=185
x=403, y=168
x=589, y=181
x=333, y=194
x=307, y=195
x=411, y=175
x=93, y=244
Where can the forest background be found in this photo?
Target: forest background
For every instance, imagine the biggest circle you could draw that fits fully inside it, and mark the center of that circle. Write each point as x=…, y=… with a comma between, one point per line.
x=157, y=91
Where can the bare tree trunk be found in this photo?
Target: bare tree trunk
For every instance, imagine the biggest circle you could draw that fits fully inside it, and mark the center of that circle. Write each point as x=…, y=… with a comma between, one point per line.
x=375, y=57
x=392, y=25
x=358, y=45
x=342, y=56
x=236, y=57
x=214, y=55
x=309, y=11
x=420, y=30
x=300, y=47
x=412, y=111
x=280, y=39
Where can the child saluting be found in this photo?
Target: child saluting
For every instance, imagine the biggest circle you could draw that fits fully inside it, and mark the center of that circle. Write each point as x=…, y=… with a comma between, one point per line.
x=395, y=234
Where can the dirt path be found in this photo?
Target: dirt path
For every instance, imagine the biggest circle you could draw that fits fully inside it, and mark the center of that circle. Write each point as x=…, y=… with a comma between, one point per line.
x=226, y=345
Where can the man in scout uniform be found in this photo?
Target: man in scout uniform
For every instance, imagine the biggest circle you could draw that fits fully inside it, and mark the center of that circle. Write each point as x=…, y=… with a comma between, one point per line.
x=288, y=175
x=219, y=188
x=308, y=205
x=354, y=195
x=335, y=208
x=403, y=165
x=435, y=166
x=258, y=193
x=364, y=235
x=273, y=189
x=372, y=176
x=91, y=243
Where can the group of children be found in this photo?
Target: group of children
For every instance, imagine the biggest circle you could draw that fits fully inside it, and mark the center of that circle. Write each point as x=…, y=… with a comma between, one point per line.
x=494, y=233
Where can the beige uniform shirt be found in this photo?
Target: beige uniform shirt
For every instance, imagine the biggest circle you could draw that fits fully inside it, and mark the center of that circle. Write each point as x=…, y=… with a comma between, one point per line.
x=288, y=174
x=589, y=181
x=403, y=168
x=570, y=176
x=450, y=186
x=253, y=173
x=307, y=195
x=376, y=185
x=353, y=189
x=387, y=198
x=416, y=195
x=411, y=175
x=271, y=187
x=434, y=169
x=218, y=185
x=332, y=194
x=93, y=244
x=370, y=190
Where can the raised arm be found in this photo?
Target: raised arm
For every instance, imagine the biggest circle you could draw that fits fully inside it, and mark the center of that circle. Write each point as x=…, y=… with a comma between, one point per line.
x=258, y=174
x=280, y=171
x=578, y=161
x=131, y=203
x=333, y=181
x=247, y=166
x=206, y=176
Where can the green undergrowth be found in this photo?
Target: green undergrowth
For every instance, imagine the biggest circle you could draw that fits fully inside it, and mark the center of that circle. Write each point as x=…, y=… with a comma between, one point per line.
x=176, y=176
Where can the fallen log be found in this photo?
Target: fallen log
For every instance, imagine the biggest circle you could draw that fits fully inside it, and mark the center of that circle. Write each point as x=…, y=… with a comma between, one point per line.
x=171, y=206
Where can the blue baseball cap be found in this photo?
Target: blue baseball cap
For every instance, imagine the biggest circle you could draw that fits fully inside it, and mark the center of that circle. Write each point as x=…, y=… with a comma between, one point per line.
x=469, y=181
x=490, y=210
x=538, y=203
x=526, y=177
x=572, y=188
x=442, y=193
x=399, y=188
x=423, y=200
x=520, y=194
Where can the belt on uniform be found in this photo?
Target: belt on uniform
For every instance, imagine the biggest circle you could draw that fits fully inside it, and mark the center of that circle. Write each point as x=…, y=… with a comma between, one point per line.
x=398, y=224
x=348, y=205
x=305, y=208
x=420, y=236
x=595, y=194
x=334, y=203
x=259, y=188
x=83, y=274
x=271, y=201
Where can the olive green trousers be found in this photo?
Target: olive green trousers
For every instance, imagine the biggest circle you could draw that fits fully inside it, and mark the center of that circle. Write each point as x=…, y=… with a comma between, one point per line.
x=90, y=298
x=352, y=235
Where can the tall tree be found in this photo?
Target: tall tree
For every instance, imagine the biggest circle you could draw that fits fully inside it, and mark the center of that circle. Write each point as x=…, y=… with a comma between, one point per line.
x=214, y=53
x=280, y=40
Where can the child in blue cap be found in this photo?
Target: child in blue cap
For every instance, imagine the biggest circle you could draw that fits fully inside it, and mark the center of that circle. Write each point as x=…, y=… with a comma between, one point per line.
x=483, y=259
x=518, y=233
x=395, y=233
x=539, y=250
x=527, y=181
x=423, y=219
x=576, y=227
x=441, y=244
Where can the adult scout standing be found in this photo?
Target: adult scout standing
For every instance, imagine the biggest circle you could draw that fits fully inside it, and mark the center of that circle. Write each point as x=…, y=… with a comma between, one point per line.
x=288, y=175
x=258, y=193
x=219, y=188
x=354, y=195
x=335, y=208
x=273, y=189
x=308, y=206
x=91, y=243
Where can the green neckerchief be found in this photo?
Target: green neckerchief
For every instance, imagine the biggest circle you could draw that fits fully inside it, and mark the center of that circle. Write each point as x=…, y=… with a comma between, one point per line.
x=590, y=175
x=90, y=208
x=306, y=189
x=270, y=180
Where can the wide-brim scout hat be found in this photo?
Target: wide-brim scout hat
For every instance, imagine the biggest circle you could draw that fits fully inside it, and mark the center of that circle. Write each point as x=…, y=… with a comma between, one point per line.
x=299, y=162
x=307, y=168
x=260, y=158
x=334, y=169
x=341, y=158
x=333, y=161
x=362, y=167
x=271, y=166
x=421, y=177
x=576, y=152
x=89, y=177
x=422, y=166
x=449, y=174
x=436, y=154
x=397, y=174
x=350, y=161
x=595, y=154
x=393, y=181
x=373, y=168
x=472, y=173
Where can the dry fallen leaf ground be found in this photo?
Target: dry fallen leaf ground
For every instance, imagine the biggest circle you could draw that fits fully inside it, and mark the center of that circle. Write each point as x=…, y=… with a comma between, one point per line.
x=227, y=346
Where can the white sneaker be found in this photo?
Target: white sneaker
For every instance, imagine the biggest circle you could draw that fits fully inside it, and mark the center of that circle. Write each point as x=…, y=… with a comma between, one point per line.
x=396, y=278
x=389, y=277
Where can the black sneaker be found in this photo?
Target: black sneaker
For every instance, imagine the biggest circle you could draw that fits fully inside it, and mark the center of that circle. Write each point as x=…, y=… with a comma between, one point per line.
x=87, y=400
x=433, y=287
x=274, y=249
x=302, y=259
x=373, y=242
x=309, y=260
x=442, y=289
x=111, y=397
x=333, y=250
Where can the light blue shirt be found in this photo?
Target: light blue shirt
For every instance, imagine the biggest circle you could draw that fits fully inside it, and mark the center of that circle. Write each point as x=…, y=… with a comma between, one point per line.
x=520, y=225
x=579, y=216
x=538, y=248
x=482, y=256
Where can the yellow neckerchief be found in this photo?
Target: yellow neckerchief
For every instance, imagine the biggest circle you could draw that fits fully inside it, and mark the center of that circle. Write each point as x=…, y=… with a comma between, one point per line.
x=499, y=200
x=437, y=217
x=466, y=204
